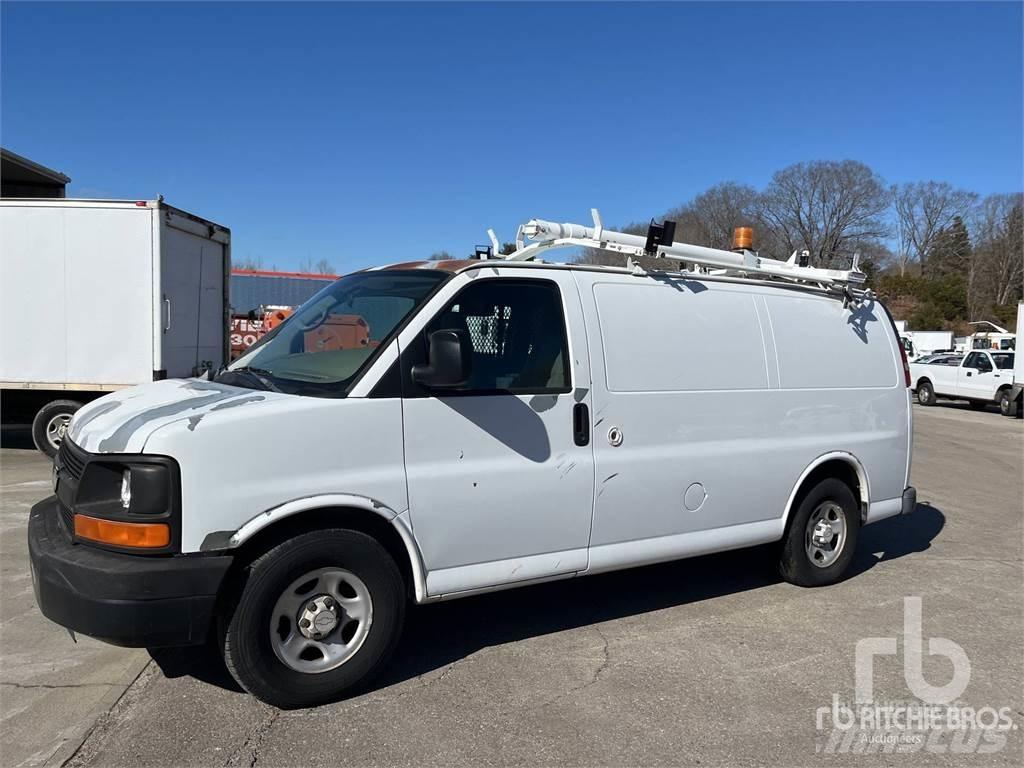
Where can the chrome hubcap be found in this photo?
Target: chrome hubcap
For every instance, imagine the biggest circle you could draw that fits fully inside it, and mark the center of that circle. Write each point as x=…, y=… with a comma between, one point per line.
x=321, y=620
x=826, y=534
x=56, y=428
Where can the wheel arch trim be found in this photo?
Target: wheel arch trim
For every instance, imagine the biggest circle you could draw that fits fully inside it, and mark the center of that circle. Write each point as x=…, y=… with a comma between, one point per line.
x=847, y=458
x=397, y=520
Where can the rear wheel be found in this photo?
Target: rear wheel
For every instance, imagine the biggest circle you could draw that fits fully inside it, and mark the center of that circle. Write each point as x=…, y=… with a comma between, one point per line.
x=318, y=616
x=925, y=393
x=51, y=423
x=1007, y=405
x=822, y=536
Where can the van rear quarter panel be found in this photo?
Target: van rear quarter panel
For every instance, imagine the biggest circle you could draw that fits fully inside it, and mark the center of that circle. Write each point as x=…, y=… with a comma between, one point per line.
x=725, y=392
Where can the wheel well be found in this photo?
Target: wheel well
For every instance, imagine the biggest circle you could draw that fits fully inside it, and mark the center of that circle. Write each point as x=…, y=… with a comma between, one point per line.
x=841, y=470
x=354, y=519
x=1004, y=388
x=923, y=378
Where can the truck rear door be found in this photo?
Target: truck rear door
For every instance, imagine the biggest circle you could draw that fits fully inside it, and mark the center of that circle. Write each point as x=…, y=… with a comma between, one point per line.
x=193, y=267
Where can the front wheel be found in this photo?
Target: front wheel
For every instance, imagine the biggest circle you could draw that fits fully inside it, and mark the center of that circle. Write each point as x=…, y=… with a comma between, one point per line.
x=1007, y=405
x=318, y=616
x=925, y=393
x=822, y=536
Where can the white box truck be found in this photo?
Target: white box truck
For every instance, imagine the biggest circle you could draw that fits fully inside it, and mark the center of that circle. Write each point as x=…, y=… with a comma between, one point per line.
x=98, y=295
x=1010, y=404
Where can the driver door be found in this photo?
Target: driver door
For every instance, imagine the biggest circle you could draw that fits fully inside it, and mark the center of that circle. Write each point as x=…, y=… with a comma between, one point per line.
x=501, y=485
x=976, y=377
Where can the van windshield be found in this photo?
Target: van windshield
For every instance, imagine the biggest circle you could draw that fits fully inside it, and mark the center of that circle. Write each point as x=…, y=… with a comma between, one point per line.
x=321, y=348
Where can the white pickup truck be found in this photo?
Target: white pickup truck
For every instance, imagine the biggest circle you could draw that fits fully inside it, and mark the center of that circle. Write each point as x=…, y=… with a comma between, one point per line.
x=983, y=377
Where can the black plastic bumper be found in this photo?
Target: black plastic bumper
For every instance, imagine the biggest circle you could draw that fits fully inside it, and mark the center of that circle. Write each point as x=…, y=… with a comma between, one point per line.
x=131, y=600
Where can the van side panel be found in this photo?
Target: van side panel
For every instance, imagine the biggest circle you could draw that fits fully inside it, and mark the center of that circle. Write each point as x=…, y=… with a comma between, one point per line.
x=821, y=345
x=712, y=437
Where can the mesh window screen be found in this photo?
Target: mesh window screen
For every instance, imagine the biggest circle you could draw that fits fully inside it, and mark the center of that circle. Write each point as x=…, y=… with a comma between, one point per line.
x=517, y=332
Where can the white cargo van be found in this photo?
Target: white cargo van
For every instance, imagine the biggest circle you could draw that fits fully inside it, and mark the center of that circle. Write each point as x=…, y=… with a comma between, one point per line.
x=100, y=295
x=495, y=423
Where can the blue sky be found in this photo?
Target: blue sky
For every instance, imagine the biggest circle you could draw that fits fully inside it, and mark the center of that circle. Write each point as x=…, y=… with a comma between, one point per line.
x=368, y=134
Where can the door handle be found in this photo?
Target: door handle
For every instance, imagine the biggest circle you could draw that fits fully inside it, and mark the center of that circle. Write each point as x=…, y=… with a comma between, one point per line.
x=581, y=424
x=969, y=374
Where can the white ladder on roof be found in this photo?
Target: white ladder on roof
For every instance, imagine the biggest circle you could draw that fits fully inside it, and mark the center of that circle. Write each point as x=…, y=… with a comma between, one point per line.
x=546, y=235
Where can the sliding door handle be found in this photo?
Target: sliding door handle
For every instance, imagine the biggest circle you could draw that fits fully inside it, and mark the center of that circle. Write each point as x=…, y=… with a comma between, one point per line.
x=581, y=424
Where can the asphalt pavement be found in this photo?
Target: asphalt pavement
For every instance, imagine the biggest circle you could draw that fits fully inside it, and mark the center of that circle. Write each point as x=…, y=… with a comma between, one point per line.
x=710, y=661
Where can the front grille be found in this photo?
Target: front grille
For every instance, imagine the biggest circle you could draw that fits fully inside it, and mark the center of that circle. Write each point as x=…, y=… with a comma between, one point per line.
x=67, y=519
x=71, y=459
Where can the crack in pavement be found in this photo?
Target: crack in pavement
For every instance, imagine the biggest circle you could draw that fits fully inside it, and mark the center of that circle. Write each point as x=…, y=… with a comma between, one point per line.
x=27, y=686
x=254, y=741
x=93, y=738
x=595, y=676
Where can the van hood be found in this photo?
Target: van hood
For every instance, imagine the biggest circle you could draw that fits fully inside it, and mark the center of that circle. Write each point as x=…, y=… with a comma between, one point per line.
x=122, y=421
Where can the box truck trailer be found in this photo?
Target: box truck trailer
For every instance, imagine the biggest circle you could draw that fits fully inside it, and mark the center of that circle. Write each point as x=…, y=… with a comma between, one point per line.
x=99, y=295
x=1012, y=402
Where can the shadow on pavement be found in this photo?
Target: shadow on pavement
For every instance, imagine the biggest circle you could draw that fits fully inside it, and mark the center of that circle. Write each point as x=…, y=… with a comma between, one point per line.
x=438, y=635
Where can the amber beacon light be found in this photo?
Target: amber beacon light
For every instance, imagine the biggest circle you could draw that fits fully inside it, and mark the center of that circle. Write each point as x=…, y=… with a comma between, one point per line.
x=743, y=239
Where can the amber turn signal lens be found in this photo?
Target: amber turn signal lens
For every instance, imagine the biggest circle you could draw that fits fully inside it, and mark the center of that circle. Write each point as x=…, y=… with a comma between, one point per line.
x=743, y=239
x=142, y=535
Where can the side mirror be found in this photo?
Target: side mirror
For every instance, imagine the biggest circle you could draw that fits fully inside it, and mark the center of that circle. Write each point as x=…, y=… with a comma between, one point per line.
x=449, y=361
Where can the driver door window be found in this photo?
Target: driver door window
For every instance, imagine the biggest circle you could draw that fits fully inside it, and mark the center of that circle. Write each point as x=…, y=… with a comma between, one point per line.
x=980, y=362
x=517, y=332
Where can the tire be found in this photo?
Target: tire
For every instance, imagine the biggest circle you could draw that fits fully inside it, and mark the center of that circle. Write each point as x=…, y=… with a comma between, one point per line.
x=49, y=424
x=979, y=405
x=1007, y=405
x=925, y=393
x=796, y=566
x=255, y=655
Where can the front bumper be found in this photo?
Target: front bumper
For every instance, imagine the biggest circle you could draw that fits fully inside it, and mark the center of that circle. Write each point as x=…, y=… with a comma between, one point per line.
x=124, y=599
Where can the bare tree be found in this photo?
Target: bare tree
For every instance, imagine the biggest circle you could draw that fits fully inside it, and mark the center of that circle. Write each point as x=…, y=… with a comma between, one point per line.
x=323, y=267
x=249, y=263
x=996, y=273
x=922, y=210
x=828, y=208
x=440, y=256
x=721, y=209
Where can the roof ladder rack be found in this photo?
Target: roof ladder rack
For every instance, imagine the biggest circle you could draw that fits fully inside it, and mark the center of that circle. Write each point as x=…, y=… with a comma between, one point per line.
x=659, y=243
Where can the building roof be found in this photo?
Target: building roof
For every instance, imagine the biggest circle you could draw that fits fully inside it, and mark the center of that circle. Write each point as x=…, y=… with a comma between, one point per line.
x=21, y=169
x=253, y=288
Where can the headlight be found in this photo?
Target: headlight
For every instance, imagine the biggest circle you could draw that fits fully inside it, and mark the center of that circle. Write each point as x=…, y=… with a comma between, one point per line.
x=120, y=487
x=126, y=502
x=126, y=489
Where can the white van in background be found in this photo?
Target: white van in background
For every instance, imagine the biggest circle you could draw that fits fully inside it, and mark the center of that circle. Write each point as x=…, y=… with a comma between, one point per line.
x=503, y=422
